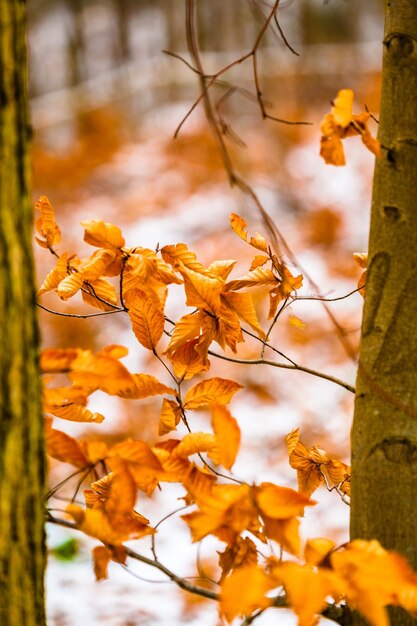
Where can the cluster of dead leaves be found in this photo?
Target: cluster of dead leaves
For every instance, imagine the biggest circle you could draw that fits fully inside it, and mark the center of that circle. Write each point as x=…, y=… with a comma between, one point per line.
x=361, y=573
x=342, y=123
x=314, y=468
x=240, y=515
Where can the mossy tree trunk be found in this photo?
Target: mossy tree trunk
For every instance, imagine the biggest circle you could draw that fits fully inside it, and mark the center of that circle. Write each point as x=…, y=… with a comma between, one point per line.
x=22, y=552
x=384, y=436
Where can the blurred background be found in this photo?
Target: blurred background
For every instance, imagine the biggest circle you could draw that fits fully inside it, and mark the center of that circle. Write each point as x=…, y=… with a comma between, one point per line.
x=106, y=100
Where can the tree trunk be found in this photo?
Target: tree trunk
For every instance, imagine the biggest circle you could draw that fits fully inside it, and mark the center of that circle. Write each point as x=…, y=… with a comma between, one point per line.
x=384, y=435
x=22, y=553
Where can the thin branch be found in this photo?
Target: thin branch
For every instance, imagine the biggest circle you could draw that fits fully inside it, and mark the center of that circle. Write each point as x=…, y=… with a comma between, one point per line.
x=300, y=368
x=284, y=39
x=338, y=614
x=78, y=315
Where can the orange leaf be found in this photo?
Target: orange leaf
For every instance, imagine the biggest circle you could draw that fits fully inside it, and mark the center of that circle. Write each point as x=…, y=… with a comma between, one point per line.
x=101, y=557
x=76, y=413
x=307, y=588
x=187, y=361
x=144, y=386
x=100, y=371
x=194, y=443
x=56, y=360
x=203, y=292
x=100, y=293
x=242, y=305
x=285, y=532
x=371, y=143
x=255, y=278
x=242, y=553
x=63, y=447
x=244, y=591
x=147, y=319
x=209, y=392
x=170, y=416
x=239, y=225
x=96, y=523
x=95, y=266
x=103, y=235
x=342, y=108
x=46, y=225
x=258, y=261
x=181, y=254
x=70, y=285
x=374, y=579
x=227, y=434
x=332, y=151
x=317, y=549
x=280, y=502
x=188, y=327
x=55, y=276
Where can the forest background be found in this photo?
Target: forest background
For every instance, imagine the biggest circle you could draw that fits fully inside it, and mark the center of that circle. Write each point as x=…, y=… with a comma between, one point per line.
x=105, y=104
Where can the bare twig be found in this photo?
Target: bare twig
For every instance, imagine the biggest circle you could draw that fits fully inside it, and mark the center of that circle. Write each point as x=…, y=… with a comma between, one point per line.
x=300, y=368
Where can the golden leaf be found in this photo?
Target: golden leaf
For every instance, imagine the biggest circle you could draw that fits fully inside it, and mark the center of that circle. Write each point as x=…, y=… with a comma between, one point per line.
x=307, y=589
x=255, y=278
x=98, y=293
x=187, y=360
x=70, y=285
x=97, y=523
x=181, y=254
x=239, y=225
x=170, y=416
x=242, y=553
x=209, y=392
x=95, y=451
x=221, y=269
x=63, y=448
x=76, y=413
x=188, y=327
x=280, y=502
x=342, y=108
x=60, y=396
x=101, y=557
x=198, y=482
x=100, y=371
x=202, y=292
x=147, y=319
x=332, y=151
x=46, y=225
x=57, y=360
x=55, y=276
x=144, y=386
x=227, y=434
x=103, y=235
x=95, y=266
x=341, y=123
x=257, y=261
x=244, y=591
x=374, y=579
x=242, y=305
x=136, y=452
x=194, y=443
x=285, y=532
x=371, y=143
x=317, y=549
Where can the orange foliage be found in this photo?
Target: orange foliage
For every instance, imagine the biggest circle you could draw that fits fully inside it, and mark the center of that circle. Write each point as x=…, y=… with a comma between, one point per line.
x=245, y=517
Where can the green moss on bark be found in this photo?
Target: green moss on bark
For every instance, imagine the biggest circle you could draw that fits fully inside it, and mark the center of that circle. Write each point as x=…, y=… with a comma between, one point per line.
x=22, y=550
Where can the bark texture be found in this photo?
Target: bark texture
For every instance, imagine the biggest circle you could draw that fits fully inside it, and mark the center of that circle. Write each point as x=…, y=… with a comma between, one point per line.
x=384, y=436
x=21, y=441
